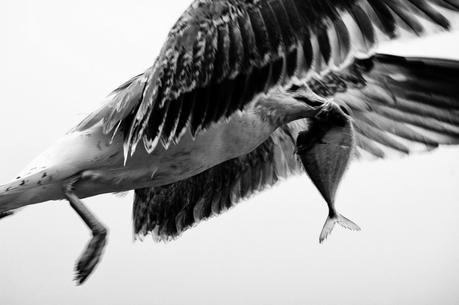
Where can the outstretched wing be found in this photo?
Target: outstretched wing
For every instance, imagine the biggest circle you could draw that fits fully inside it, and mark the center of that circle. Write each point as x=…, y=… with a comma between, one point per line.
x=222, y=53
x=397, y=105
x=169, y=210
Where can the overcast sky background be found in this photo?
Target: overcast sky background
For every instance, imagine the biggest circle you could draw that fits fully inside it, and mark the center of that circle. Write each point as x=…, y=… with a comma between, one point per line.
x=60, y=58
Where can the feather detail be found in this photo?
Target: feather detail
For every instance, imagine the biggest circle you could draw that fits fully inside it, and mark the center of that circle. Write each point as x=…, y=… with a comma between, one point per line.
x=343, y=40
x=231, y=45
x=397, y=103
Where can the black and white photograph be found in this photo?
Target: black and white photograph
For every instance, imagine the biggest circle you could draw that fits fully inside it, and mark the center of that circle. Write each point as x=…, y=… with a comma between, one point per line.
x=229, y=152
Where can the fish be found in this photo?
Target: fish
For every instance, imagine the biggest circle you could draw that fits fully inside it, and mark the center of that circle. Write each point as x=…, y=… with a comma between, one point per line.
x=326, y=149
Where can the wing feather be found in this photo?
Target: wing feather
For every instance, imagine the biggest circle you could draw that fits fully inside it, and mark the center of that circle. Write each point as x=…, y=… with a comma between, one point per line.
x=270, y=34
x=384, y=19
x=222, y=57
x=343, y=42
x=165, y=211
x=248, y=48
x=364, y=24
x=324, y=44
x=448, y=4
x=400, y=129
x=421, y=7
x=397, y=103
x=287, y=32
x=386, y=121
x=406, y=19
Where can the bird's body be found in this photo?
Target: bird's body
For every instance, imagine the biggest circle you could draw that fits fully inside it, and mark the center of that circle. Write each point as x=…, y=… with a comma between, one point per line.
x=217, y=116
x=98, y=159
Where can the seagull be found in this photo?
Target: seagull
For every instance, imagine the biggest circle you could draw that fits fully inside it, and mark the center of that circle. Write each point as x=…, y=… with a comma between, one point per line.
x=243, y=94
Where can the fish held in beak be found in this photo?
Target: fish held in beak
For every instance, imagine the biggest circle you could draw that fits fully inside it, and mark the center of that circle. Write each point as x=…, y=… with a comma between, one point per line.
x=325, y=150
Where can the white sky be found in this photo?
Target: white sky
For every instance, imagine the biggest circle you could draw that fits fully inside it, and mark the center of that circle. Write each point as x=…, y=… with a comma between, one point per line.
x=59, y=58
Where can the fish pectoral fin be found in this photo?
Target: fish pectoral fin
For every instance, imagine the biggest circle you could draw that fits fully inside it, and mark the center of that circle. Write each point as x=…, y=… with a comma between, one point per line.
x=330, y=224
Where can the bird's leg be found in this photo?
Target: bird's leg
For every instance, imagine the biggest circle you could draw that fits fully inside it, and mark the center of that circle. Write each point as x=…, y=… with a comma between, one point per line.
x=325, y=150
x=92, y=254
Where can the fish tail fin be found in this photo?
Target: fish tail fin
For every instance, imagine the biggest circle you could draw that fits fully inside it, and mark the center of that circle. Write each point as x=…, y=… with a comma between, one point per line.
x=347, y=223
x=333, y=219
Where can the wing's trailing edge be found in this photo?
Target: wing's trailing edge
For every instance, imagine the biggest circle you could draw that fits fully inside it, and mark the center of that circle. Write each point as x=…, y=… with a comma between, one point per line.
x=398, y=105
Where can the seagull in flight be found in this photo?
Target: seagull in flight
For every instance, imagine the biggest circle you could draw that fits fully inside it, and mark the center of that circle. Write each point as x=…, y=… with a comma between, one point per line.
x=243, y=94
